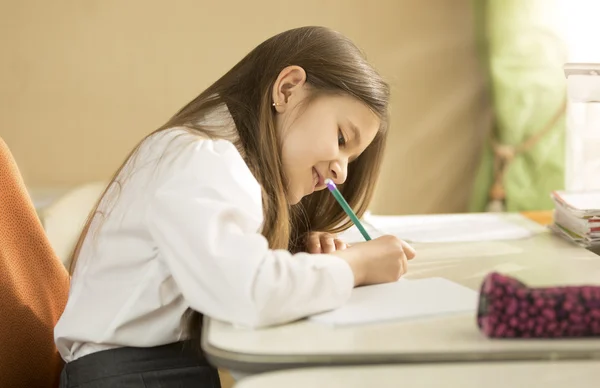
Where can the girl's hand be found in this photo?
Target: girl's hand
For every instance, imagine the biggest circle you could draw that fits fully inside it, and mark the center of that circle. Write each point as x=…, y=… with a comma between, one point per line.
x=322, y=242
x=382, y=260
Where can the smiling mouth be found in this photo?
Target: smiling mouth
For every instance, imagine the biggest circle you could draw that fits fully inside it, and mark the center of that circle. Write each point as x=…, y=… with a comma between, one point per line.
x=317, y=179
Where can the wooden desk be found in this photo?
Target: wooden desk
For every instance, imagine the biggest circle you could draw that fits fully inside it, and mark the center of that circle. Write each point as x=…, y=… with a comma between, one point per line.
x=544, y=259
x=578, y=374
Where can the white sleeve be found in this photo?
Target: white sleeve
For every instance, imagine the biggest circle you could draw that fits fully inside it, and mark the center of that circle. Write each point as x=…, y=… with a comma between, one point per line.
x=205, y=219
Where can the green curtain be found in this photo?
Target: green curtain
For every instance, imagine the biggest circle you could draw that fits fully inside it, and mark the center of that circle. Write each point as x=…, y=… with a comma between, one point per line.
x=523, y=53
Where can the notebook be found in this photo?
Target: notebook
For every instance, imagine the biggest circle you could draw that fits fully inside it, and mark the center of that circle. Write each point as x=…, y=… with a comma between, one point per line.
x=577, y=217
x=401, y=300
x=582, y=204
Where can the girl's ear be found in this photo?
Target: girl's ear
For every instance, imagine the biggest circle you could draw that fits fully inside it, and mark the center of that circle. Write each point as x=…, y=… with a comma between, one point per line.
x=287, y=86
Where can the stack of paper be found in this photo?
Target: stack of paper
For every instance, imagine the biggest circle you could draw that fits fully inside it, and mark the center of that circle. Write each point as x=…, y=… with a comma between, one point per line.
x=577, y=216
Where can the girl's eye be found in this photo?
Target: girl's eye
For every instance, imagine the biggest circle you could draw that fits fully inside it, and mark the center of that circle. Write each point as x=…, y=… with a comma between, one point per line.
x=341, y=139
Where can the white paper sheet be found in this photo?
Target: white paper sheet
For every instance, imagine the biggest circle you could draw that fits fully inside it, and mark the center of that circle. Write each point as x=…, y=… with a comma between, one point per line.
x=405, y=299
x=443, y=228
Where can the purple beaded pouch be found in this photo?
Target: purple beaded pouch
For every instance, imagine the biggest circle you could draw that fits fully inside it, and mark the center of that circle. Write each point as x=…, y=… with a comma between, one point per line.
x=510, y=309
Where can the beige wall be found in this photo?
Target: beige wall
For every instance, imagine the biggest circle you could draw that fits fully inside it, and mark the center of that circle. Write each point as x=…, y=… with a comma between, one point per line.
x=82, y=81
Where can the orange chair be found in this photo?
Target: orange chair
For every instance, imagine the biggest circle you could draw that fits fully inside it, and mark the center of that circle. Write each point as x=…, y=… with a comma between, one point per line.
x=34, y=287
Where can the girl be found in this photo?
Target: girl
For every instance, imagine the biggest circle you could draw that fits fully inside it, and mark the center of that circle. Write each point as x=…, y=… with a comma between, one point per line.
x=210, y=215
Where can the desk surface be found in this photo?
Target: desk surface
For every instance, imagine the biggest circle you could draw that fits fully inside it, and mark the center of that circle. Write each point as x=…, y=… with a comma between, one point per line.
x=543, y=259
x=473, y=375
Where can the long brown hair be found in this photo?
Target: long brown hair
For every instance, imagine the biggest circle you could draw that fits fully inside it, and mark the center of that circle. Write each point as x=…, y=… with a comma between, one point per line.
x=333, y=65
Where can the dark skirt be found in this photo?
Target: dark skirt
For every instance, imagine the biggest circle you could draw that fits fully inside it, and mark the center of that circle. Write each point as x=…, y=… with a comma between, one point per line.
x=174, y=365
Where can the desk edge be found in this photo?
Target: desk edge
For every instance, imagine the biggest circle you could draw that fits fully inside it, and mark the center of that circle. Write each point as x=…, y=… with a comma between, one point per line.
x=260, y=363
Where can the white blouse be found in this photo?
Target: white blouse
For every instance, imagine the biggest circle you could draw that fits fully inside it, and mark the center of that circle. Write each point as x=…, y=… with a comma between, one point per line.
x=183, y=231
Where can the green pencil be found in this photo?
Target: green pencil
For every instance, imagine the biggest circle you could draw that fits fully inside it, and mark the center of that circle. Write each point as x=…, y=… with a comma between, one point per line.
x=340, y=199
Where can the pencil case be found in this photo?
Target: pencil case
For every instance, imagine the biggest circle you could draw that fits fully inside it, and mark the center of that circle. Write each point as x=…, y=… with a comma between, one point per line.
x=509, y=308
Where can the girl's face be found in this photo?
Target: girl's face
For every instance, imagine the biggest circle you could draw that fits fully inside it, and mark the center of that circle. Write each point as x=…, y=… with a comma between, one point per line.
x=319, y=139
